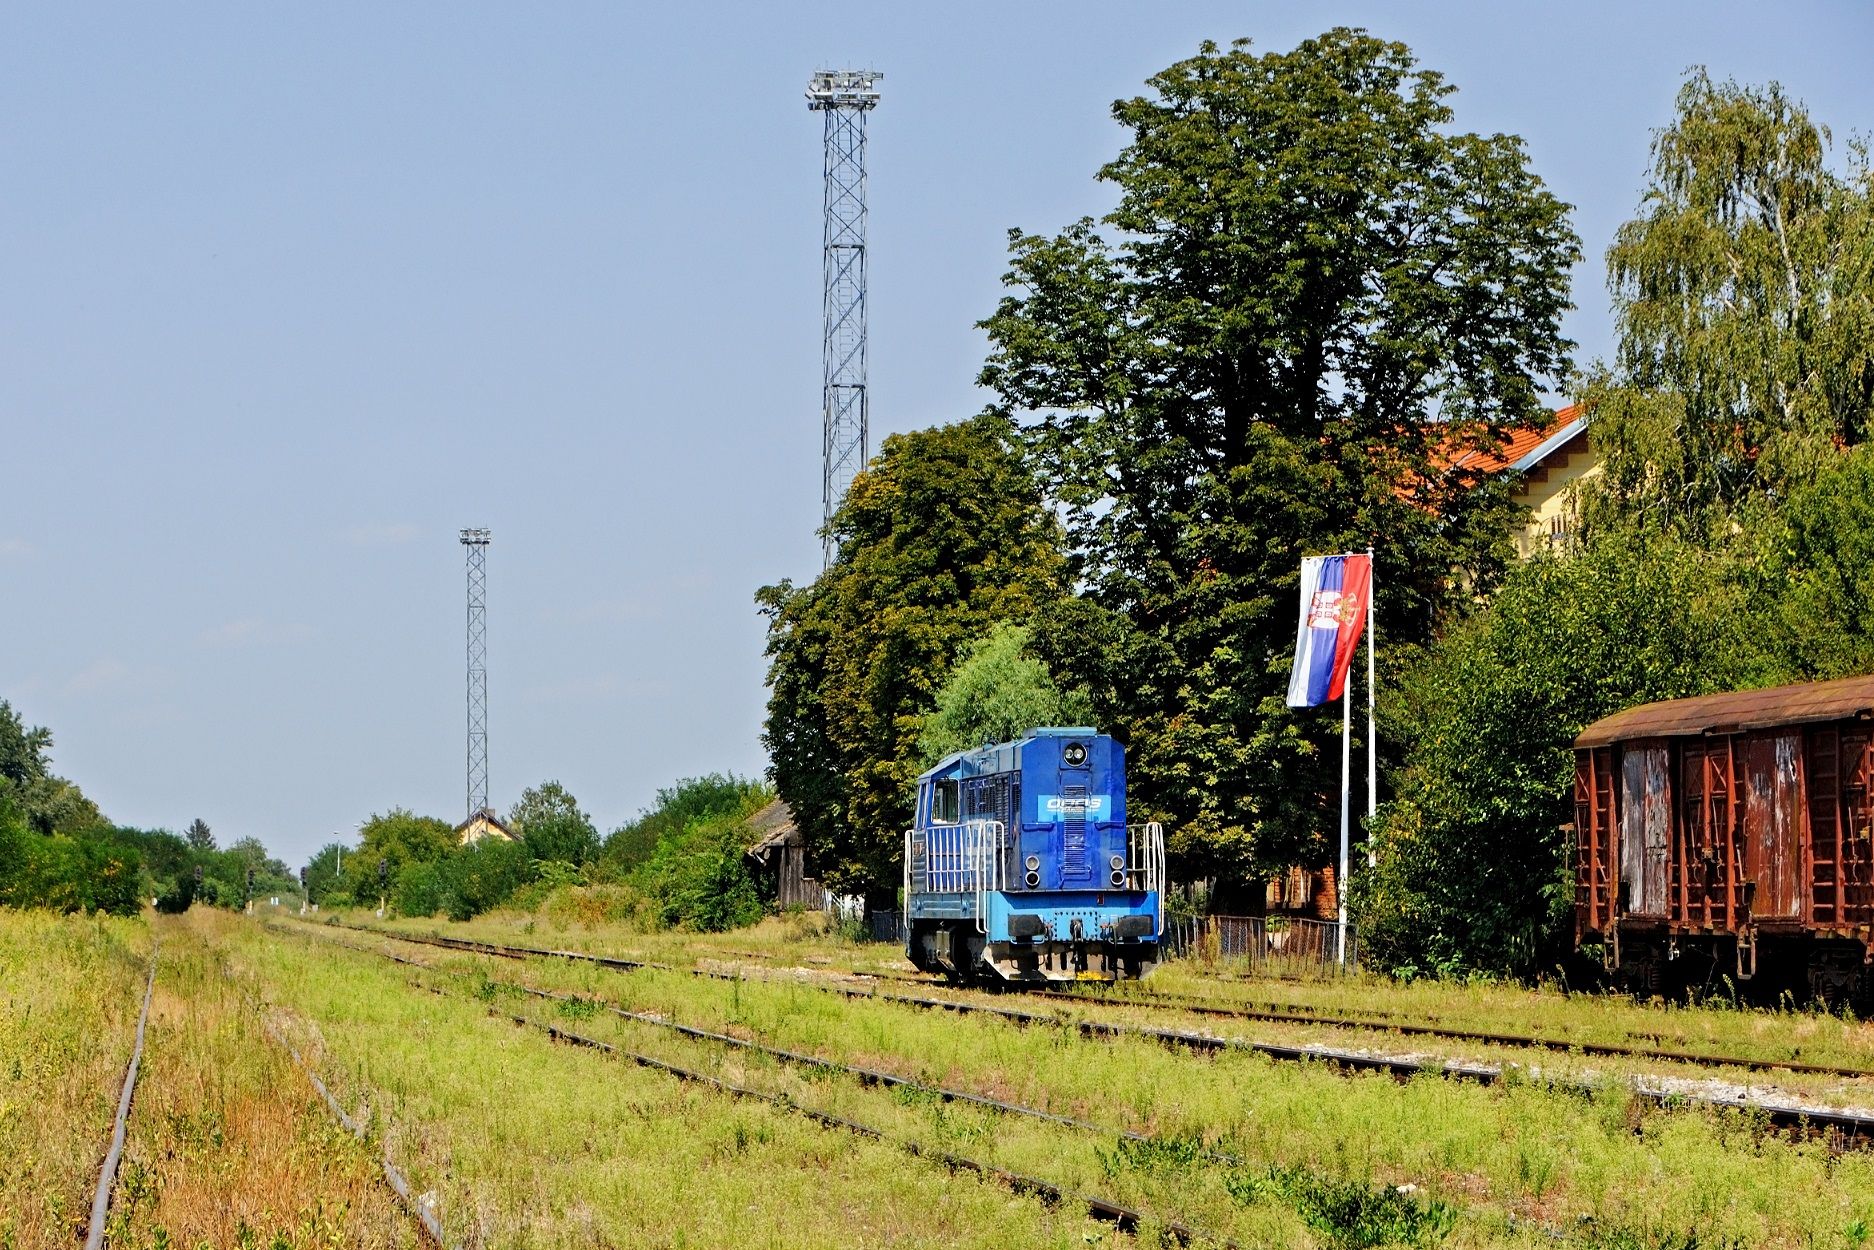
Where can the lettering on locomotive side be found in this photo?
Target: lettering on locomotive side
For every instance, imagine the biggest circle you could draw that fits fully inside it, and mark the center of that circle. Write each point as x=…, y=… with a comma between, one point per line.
x=1089, y=804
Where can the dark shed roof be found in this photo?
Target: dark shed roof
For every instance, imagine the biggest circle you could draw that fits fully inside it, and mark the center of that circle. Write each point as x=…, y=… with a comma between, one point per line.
x=770, y=827
x=1846, y=699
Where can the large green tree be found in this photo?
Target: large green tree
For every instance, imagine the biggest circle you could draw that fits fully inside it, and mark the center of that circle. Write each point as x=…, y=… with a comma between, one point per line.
x=1744, y=300
x=1475, y=865
x=1313, y=292
x=943, y=535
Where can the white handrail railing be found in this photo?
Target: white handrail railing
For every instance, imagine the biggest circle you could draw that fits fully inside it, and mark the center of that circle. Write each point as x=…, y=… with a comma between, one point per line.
x=962, y=859
x=1145, y=863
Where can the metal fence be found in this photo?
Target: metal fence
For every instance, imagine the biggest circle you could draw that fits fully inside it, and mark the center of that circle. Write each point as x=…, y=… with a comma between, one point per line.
x=1269, y=945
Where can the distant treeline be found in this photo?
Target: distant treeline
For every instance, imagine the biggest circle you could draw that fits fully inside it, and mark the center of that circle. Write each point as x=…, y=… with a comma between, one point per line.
x=681, y=863
x=57, y=850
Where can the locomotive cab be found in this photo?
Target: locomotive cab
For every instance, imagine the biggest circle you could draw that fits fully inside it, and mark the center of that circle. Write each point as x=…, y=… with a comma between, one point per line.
x=1021, y=864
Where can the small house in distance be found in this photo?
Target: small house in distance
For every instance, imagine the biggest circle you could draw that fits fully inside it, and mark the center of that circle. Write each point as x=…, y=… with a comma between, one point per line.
x=780, y=854
x=483, y=824
x=1549, y=460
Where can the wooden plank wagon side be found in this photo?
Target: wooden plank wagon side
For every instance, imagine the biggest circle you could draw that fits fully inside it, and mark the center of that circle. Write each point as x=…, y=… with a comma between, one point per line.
x=1731, y=835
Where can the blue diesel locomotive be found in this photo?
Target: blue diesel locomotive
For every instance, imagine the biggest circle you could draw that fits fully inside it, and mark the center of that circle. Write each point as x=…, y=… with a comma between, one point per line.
x=1021, y=864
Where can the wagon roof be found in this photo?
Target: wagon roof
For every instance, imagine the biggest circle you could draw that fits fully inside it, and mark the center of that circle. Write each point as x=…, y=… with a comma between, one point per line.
x=1845, y=699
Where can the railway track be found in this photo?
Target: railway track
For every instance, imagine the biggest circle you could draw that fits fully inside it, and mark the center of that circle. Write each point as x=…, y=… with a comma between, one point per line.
x=1276, y=1013
x=113, y=1155
x=428, y=1221
x=1126, y=1219
x=1849, y=1128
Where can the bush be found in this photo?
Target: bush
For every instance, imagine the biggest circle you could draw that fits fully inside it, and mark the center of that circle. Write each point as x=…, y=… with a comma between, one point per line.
x=418, y=890
x=480, y=876
x=1474, y=869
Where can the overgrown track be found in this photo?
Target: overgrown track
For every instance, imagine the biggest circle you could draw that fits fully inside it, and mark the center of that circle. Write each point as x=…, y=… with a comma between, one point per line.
x=426, y=1219
x=1847, y=1128
x=864, y=1076
x=1121, y=1217
x=107, y=1175
x=1379, y=1022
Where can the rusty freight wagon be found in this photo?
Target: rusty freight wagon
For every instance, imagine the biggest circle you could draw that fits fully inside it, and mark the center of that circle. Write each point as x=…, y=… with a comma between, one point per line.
x=1729, y=835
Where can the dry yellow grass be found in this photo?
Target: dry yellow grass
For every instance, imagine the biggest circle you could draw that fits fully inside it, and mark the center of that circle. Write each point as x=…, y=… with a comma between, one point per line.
x=70, y=988
x=229, y=1144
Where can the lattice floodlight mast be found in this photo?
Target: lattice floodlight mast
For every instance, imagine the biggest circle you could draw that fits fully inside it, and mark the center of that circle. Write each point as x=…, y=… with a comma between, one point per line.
x=845, y=96
x=476, y=542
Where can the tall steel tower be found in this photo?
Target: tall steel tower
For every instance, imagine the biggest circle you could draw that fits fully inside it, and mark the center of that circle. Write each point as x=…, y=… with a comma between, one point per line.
x=476, y=541
x=845, y=96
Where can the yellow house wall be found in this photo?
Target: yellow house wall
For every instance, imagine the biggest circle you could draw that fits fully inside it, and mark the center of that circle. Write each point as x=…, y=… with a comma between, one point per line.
x=1551, y=501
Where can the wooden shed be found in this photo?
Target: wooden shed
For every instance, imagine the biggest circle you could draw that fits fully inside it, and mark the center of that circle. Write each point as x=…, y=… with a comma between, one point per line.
x=1730, y=817
x=780, y=853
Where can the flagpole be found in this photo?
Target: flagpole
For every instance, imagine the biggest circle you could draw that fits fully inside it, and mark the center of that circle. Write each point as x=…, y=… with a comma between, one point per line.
x=1372, y=738
x=1346, y=760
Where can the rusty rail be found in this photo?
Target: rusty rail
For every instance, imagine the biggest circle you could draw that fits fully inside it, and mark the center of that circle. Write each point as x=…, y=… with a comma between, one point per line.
x=1850, y=1128
x=1121, y=1217
x=107, y=1175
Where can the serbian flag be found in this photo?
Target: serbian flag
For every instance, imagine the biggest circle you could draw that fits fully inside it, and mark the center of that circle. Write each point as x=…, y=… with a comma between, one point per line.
x=1334, y=594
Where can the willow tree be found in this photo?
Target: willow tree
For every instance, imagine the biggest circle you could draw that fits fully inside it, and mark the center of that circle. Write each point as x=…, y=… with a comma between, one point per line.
x=1314, y=289
x=1744, y=296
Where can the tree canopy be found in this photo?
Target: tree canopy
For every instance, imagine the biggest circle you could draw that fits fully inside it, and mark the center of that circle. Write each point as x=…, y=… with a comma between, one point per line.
x=944, y=534
x=551, y=825
x=997, y=691
x=1313, y=293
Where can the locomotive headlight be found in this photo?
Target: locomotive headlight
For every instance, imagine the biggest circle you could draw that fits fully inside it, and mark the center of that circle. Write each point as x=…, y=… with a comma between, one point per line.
x=1033, y=879
x=1034, y=862
x=1119, y=861
x=1074, y=755
x=1119, y=878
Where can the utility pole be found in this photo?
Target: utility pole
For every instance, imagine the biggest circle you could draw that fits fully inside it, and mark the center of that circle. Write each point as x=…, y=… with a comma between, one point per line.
x=845, y=96
x=476, y=543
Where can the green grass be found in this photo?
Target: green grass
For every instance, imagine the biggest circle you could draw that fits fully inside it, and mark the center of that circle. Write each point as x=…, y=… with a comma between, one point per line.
x=1714, y=1026
x=228, y=1143
x=525, y=1142
x=1515, y=1158
x=70, y=990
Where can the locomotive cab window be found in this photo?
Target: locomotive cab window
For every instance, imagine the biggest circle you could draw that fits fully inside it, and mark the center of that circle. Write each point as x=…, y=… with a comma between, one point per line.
x=943, y=801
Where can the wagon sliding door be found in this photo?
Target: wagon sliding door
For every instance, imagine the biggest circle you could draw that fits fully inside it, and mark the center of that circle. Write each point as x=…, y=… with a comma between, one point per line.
x=1773, y=824
x=1645, y=825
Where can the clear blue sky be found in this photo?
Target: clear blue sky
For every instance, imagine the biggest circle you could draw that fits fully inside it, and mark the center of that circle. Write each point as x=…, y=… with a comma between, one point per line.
x=289, y=296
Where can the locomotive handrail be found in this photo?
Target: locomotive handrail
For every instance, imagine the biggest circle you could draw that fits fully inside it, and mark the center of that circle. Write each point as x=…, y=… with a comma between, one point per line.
x=1145, y=855
x=964, y=858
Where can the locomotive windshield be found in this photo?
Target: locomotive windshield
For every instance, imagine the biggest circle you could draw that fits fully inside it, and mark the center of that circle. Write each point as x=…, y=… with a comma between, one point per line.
x=943, y=801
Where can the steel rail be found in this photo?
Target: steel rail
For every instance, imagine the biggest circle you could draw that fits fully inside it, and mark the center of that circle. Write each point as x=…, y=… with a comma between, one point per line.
x=1199, y=1006
x=1125, y=1219
x=1277, y=1013
x=107, y=1174
x=865, y=1076
x=1853, y=1128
